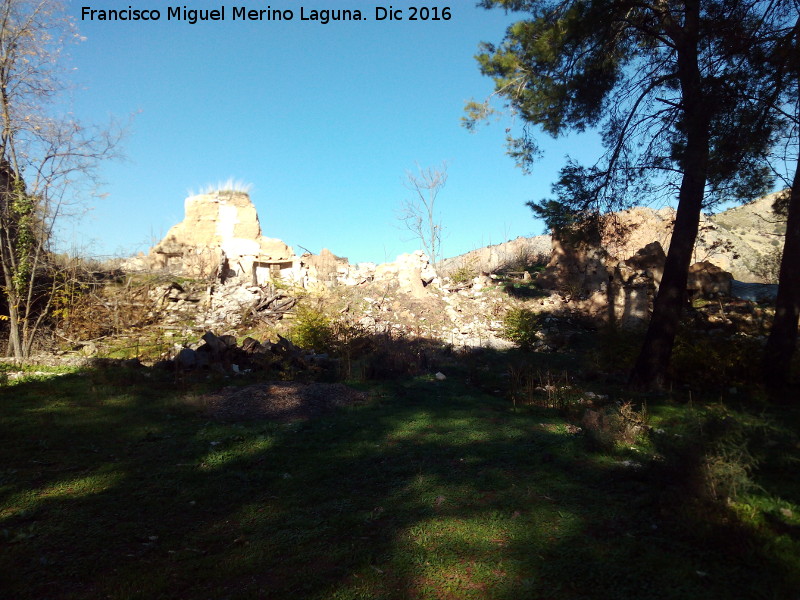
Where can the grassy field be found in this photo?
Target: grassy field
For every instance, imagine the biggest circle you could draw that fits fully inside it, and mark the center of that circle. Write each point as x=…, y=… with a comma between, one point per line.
x=114, y=484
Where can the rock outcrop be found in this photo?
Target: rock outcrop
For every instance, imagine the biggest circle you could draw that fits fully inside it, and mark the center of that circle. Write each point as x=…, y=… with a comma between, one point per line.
x=634, y=285
x=622, y=291
x=575, y=270
x=733, y=240
x=413, y=273
x=707, y=279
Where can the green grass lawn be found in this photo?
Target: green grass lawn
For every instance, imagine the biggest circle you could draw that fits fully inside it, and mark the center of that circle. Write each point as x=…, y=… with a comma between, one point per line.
x=114, y=485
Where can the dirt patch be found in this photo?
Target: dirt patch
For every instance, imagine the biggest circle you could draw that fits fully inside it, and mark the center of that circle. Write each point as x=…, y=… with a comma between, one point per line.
x=280, y=401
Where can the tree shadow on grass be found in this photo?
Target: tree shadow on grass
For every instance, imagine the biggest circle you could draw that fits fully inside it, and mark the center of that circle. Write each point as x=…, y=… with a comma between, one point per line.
x=120, y=487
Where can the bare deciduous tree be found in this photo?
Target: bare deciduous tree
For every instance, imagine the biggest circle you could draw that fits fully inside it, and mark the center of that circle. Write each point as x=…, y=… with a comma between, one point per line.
x=418, y=214
x=44, y=155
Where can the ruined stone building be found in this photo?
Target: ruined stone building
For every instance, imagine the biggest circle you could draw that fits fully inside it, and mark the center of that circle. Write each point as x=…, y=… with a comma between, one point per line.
x=220, y=237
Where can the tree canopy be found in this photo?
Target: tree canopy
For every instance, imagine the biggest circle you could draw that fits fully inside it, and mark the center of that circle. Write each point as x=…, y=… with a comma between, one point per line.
x=625, y=68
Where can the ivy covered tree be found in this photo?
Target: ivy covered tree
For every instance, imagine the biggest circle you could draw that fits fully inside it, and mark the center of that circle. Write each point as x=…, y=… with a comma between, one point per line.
x=42, y=156
x=675, y=96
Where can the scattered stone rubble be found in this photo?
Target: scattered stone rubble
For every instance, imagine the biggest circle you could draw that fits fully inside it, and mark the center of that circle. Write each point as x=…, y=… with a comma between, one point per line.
x=223, y=354
x=217, y=305
x=220, y=242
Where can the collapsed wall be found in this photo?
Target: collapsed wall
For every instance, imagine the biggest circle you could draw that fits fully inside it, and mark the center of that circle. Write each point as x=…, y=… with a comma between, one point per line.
x=220, y=237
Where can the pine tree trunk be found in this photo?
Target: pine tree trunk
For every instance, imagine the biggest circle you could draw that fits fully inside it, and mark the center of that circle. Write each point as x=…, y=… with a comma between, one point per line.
x=782, y=340
x=653, y=361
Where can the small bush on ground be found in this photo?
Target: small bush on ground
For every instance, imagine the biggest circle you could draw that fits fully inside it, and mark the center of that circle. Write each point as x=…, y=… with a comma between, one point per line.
x=523, y=290
x=313, y=330
x=339, y=337
x=107, y=304
x=715, y=361
x=521, y=326
x=618, y=424
x=463, y=274
x=525, y=260
x=615, y=349
x=393, y=357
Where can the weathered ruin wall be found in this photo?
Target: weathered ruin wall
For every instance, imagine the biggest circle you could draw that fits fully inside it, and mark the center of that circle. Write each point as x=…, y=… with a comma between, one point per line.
x=220, y=236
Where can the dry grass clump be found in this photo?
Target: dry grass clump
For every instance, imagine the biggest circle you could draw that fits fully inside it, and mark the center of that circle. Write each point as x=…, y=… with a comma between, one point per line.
x=230, y=185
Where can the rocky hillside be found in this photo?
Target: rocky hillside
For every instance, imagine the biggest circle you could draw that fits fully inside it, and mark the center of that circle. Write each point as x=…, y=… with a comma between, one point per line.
x=514, y=255
x=744, y=240
x=249, y=285
x=756, y=234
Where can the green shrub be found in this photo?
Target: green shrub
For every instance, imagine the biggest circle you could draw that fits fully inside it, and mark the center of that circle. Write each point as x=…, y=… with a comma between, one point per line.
x=726, y=463
x=521, y=326
x=715, y=362
x=768, y=266
x=312, y=330
x=615, y=348
x=463, y=274
x=393, y=357
x=338, y=337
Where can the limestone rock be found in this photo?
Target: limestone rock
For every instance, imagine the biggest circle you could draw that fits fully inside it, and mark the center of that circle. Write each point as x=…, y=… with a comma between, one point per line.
x=632, y=304
x=514, y=255
x=634, y=285
x=732, y=240
x=635, y=228
x=413, y=273
x=648, y=261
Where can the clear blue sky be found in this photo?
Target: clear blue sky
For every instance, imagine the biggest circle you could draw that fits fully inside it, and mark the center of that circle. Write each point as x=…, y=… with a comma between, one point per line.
x=322, y=120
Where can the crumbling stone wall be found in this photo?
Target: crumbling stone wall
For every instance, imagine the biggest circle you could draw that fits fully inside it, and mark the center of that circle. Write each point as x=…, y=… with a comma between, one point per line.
x=219, y=237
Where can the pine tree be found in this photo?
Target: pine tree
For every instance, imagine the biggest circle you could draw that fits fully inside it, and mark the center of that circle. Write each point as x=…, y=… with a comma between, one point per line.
x=674, y=95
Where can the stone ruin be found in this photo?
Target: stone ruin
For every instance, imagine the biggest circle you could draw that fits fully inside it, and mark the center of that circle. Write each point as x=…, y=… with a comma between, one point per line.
x=220, y=237
x=621, y=289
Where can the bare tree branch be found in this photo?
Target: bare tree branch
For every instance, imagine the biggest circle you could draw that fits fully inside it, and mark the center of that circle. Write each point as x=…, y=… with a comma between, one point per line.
x=44, y=156
x=418, y=214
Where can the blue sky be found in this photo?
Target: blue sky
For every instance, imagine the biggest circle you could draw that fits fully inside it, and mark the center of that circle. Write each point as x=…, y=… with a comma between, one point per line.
x=322, y=120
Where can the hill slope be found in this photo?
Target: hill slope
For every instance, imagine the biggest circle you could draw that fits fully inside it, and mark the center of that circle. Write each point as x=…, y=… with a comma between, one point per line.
x=739, y=240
